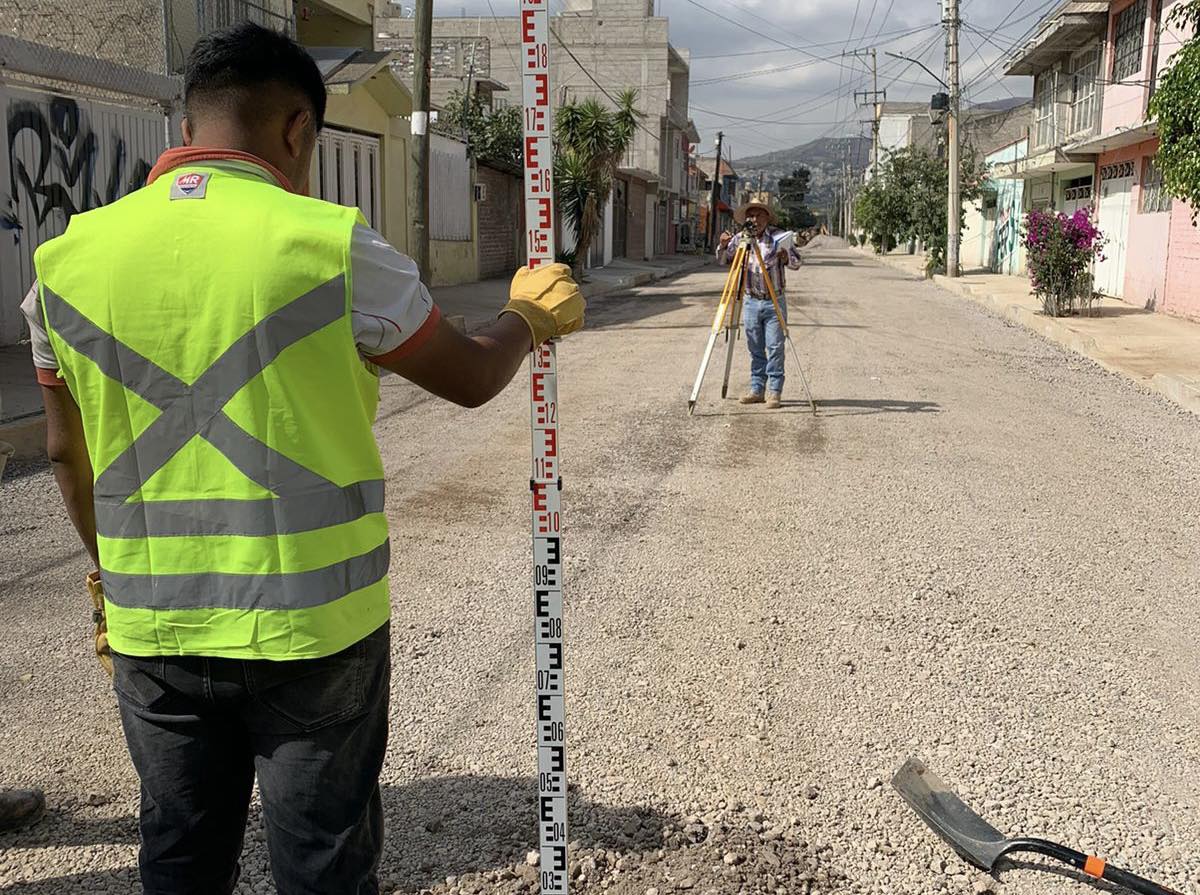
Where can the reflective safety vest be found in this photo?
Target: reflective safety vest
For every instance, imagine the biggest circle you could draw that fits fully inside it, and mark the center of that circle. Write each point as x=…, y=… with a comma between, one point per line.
x=205, y=334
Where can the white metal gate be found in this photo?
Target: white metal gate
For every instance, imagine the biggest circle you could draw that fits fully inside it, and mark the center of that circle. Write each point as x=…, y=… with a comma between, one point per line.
x=61, y=155
x=450, y=190
x=1116, y=194
x=345, y=170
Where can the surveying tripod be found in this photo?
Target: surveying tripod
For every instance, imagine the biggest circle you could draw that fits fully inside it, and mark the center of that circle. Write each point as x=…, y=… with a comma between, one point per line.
x=729, y=318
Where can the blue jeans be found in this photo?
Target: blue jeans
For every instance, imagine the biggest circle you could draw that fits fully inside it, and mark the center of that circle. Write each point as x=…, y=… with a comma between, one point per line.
x=313, y=730
x=765, y=340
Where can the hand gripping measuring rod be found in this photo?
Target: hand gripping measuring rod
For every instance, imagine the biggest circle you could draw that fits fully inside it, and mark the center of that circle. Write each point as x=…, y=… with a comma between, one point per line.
x=545, y=481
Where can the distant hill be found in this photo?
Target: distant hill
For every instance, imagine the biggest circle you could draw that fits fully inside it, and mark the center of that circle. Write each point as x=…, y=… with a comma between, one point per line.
x=823, y=157
x=1001, y=105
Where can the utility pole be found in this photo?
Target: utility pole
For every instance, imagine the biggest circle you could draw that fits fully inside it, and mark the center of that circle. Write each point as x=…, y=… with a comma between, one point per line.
x=716, y=192
x=422, y=53
x=873, y=97
x=954, y=210
x=835, y=213
x=875, y=107
x=849, y=199
x=843, y=197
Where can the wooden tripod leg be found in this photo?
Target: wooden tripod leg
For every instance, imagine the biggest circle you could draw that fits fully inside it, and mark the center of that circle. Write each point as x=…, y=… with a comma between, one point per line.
x=731, y=334
x=803, y=379
x=783, y=325
x=732, y=282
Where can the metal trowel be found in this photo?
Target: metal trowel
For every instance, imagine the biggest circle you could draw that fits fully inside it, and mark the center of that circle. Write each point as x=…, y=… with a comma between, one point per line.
x=983, y=845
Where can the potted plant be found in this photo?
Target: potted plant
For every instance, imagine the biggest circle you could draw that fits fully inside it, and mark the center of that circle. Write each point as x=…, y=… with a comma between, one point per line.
x=1061, y=251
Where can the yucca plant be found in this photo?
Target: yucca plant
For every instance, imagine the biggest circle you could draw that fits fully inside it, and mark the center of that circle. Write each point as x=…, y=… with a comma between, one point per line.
x=591, y=140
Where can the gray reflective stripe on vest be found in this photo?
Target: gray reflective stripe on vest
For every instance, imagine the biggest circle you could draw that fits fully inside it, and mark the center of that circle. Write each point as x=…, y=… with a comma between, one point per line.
x=307, y=501
x=218, y=590
x=251, y=518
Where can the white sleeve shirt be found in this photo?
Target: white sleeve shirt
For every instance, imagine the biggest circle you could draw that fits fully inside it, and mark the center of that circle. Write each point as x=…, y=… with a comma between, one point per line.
x=391, y=311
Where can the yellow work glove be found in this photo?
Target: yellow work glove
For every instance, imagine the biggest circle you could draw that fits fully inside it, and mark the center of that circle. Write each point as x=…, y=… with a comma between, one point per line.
x=548, y=300
x=96, y=592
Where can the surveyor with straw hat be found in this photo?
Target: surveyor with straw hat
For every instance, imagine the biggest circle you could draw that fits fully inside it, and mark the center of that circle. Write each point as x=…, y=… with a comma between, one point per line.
x=764, y=335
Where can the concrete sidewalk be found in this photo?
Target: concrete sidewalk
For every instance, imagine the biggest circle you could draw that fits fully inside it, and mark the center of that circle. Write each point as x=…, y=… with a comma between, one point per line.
x=23, y=425
x=1158, y=351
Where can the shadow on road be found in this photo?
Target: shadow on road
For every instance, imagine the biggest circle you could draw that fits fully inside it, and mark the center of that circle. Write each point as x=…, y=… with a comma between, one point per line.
x=59, y=560
x=439, y=827
x=867, y=407
x=20, y=469
x=490, y=823
x=63, y=827
x=847, y=406
x=621, y=309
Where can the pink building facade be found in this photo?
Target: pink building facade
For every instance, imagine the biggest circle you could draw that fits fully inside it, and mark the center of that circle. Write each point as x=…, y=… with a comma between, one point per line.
x=1152, y=259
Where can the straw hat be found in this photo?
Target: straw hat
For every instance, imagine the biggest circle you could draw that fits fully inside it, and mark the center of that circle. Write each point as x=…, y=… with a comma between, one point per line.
x=740, y=214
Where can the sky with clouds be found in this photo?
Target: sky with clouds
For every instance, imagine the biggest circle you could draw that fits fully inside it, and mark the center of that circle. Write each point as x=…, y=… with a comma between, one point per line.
x=789, y=82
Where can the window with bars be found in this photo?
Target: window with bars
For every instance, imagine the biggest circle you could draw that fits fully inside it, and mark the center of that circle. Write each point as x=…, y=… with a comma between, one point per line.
x=1043, y=112
x=1155, y=199
x=1085, y=93
x=1129, y=41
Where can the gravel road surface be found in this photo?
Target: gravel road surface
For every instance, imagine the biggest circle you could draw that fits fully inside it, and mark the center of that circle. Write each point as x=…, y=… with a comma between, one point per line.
x=982, y=552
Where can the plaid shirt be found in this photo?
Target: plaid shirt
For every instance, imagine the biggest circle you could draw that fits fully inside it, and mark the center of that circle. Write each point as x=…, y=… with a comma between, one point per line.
x=753, y=283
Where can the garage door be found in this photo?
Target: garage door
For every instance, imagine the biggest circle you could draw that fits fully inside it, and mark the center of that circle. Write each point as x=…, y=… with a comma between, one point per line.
x=1116, y=193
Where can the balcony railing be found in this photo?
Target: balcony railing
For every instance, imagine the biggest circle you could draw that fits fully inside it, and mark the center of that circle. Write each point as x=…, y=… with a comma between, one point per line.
x=189, y=20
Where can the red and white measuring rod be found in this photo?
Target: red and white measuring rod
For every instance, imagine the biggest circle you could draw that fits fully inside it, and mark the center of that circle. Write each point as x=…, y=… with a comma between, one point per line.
x=546, y=483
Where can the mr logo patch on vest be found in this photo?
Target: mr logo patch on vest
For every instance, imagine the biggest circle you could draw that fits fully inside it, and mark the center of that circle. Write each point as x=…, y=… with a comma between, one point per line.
x=189, y=186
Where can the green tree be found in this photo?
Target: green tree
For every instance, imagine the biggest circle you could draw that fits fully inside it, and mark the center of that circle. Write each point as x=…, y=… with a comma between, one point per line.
x=792, y=191
x=908, y=199
x=493, y=136
x=590, y=142
x=1176, y=106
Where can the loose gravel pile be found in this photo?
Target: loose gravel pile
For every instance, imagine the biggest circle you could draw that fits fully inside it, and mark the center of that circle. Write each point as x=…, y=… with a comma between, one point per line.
x=983, y=552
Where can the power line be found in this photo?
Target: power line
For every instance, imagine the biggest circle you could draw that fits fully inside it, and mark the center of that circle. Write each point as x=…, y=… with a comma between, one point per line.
x=745, y=76
x=737, y=24
x=511, y=57
x=883, y=21
x=1037, y=13
x=836, y=93
x=796, y=108
x=892, y=35
x=967, y=37
x=653, y=136
x=867, y=27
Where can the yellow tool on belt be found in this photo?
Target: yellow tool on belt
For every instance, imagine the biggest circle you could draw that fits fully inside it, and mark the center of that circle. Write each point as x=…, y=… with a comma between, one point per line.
x=103, y=652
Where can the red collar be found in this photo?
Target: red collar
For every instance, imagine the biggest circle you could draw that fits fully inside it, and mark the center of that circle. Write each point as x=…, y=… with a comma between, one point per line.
x=195, y=155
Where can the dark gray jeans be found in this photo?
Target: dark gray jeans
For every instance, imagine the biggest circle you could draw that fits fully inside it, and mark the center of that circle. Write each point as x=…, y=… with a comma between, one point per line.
x=313, y=730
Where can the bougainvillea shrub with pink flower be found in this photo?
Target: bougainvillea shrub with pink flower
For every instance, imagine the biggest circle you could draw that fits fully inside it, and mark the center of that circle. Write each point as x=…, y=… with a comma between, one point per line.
x=1061, y=251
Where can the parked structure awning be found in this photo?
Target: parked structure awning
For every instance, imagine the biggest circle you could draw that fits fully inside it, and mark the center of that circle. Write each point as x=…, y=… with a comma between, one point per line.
x=1071, y=27
x=1049, y=162
x=1115, y=139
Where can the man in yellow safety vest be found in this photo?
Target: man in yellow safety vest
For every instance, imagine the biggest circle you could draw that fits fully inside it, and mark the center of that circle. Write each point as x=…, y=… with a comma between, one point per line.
x=208, y=348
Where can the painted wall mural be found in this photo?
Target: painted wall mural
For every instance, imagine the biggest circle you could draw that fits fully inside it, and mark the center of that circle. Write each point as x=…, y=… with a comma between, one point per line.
x=61, y=156
x=62, y=172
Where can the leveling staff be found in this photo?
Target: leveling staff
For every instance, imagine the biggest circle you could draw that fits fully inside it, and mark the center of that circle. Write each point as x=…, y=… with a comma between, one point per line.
x=208, y=347
x=764, y=335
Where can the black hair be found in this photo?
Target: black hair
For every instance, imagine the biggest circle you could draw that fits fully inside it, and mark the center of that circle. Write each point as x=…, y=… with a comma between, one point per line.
x=225, y=67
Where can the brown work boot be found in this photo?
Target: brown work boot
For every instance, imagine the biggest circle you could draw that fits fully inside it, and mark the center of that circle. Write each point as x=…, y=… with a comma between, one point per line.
x=751, y=398
x=774, y=400
x=20, y=808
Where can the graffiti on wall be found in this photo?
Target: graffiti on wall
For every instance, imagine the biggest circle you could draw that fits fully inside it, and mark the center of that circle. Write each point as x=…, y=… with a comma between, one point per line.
x=54, y=158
